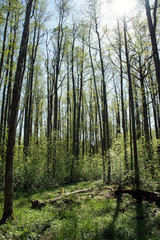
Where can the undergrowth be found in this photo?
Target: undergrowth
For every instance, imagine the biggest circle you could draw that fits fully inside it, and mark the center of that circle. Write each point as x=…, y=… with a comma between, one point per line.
x=83, y=217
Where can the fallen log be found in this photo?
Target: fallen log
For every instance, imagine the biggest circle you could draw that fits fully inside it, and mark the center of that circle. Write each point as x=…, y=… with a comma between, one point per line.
x=106, y=188
x=136, y=193
x=139, y=195
x=36, y=204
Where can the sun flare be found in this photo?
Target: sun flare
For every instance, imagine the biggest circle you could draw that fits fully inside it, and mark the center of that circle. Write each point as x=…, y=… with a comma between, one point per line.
x=122, y=6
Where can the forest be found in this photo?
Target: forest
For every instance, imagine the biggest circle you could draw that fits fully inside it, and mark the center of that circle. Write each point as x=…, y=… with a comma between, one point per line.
x=79, y=119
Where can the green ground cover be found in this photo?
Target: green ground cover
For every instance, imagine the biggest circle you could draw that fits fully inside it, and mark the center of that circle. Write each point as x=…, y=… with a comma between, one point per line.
x=83, y=216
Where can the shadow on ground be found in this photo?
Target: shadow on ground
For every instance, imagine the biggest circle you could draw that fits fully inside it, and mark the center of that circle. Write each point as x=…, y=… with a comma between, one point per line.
x=141, y=229
x=139, y=225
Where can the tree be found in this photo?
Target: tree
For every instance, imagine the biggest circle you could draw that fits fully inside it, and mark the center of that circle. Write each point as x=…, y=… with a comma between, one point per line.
x=122, y=95
x=4, y=41
x=131, y=101
x=35, y=38
x=8, y=192
x=152, y=24
x=74, y=31
x=63, y=12
x=94, y=15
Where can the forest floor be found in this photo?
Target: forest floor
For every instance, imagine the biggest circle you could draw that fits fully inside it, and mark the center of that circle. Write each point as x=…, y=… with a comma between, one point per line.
x=92, y=215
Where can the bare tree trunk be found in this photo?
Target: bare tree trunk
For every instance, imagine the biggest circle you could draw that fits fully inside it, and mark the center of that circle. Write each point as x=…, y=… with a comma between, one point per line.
x=91, y=136
x=99, y=113
x=2, y=129
x=74, y=107
x=136, y=165
x=9, y=86
x=4, y=43
x=155, y=115
x=138, y=123
x=122, y=101
x=152, y=24
x=68, y=105
x=20, y=129
x=77, y=99
x=144, y=103
x=80, y=101
x=50, y=84
x=29, y=90
x=96, y=127
x=83, y=131
x=145, y=111
x=131, y=139
x=118, y=122
x=105, y=117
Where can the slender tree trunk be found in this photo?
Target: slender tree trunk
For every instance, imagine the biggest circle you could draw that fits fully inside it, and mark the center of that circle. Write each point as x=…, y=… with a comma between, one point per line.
x=26, y=123
x=131, y=139
x=145, y=111
x=50, y=89
x=138, y=123
x=4, y=100
x=122, y=100
x=74, y=109
x=2, y=129
x=96, y=127
x=4, y=43
x=155, y=115
x=152, y=29
x=118, y=122
x=9, y=86
x=144, y=104
x=91, y=138
x=136, y=165
x=105, y=118
x=20, y=129
x=68, y=105
x=83, y=131
x=29, y=90
x=36, y=126
x=152, y=24
x=99, y=114
x=80, y=102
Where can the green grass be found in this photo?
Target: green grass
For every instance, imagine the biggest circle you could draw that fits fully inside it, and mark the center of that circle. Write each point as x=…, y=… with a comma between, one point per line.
x=86, y=217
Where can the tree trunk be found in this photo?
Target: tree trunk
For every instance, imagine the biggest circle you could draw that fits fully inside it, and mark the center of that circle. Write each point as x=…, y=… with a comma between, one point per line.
x=50, y=89
x=122, y=101
x=9, y=87
x=137, y=180
x=68, y=105
x=4, y=43
x=29, y=90
x=74, y=108
x=8, y=192
x=118, y=122
x=152, y=29
x=137, y=113
x=99, y=113
x=105, y=117
x=80, y=101
x=145, y=111
x=3, y=121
